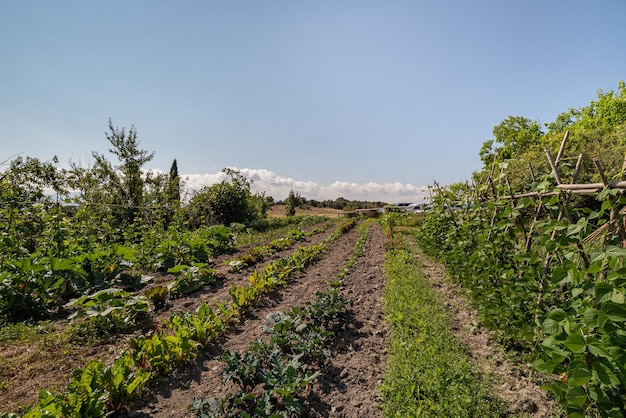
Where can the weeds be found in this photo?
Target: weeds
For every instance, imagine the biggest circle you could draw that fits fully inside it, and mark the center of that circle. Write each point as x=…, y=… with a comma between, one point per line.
x=429, y=373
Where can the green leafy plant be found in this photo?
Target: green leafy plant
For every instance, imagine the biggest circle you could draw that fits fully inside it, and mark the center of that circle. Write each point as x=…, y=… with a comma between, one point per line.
x=190, y=279
x=107, y=301
x=545, y=290
x=201, y=327
x=243, y=297
x=158, y=295
x=162, y=352
x=85, y=396
x=123, y=381
x=272, y=376
x=99, y=329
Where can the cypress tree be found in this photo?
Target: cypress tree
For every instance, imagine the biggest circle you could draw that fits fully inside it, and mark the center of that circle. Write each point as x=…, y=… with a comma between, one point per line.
x=174, y=185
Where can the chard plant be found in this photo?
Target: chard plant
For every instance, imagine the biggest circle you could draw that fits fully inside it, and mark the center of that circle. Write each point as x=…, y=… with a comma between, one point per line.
x=201, y=327
x=124, y=381
x=162, y=352
x=159, y=296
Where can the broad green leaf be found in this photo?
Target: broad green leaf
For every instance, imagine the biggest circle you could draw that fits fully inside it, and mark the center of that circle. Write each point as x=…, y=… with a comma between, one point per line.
x=576, y=228
x=594, y=269
x=617, y=296
x=578, y=375
x=550, y=326
x=576, y=395
x=62, y=264
x=607, y=204
x=576, y=343
x=614, y=312
x=614, y=251
x=604, y=291
x=550, y=245
x=558, y=356
x=590, y=317
x=542, y=366
x=593, y=215
x=125, y=252
x=557, y=314
x=560, y=275
x=604, y=373
x=177, y=269
x=575, y=411
x=594, y=318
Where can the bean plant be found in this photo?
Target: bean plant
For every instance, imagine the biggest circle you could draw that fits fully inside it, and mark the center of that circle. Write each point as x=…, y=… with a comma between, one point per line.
x=544, y=289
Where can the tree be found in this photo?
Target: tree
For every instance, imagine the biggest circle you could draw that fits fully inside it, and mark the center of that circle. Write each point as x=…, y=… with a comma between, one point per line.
x=512, y=137
x=121, y=187
x=126, y=148
x=174, y=185
x=292, y=202
x=23, y=184
x=227, y=202
x=597, y=130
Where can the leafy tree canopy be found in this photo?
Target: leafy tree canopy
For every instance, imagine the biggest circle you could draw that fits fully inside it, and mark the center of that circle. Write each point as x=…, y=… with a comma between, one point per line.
x=598, y=131
x=229, y=201
x=511, y=138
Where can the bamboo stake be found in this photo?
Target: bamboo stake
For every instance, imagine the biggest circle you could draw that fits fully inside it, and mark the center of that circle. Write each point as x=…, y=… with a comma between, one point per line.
x=587, y=186
x=533, y=194
x=614, y=210
x=513, y=203
x=560, y=153
x=558, y=182
x=596, y=162
x=596, y=186
x=532, y=172
x=567, y=198
x=553, y=166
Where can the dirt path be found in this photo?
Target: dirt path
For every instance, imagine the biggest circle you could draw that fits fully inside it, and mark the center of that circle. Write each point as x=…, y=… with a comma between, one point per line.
x=516, y=387
x=349, y=386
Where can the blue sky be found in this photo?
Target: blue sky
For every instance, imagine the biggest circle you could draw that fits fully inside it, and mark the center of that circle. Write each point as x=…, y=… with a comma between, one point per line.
x=362, y=99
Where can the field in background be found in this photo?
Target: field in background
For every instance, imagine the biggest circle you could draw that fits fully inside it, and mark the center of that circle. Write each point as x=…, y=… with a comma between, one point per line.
x=278, y=211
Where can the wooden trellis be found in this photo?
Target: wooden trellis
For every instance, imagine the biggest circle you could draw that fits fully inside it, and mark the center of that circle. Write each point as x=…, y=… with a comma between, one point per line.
x=617, y=220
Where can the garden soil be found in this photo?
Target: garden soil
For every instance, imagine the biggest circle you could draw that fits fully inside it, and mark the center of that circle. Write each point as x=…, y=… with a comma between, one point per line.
x=350, y=380
x=349, y=385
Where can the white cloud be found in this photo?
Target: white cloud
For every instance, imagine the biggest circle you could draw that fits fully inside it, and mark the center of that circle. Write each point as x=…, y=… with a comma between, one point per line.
x=278, y=187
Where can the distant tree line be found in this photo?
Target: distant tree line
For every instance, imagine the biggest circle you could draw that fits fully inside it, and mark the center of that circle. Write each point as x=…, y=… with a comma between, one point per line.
x=294, y=199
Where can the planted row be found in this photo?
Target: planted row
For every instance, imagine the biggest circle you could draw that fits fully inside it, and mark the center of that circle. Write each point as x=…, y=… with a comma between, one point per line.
x=271, y=376
x=167, y=348
x=259, y=253
x=545, y=290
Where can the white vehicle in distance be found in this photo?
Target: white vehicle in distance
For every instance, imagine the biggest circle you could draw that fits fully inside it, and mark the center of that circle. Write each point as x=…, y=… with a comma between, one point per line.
x=417, y=207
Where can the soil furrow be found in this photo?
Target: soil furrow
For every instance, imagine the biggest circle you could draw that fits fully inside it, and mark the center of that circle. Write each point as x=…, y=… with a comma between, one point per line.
x=350, y=383
x=172, y=397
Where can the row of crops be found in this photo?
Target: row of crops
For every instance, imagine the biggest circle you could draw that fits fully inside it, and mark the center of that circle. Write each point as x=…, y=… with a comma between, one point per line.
x=98, y=389
x=53, y=258
x=544, y=289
